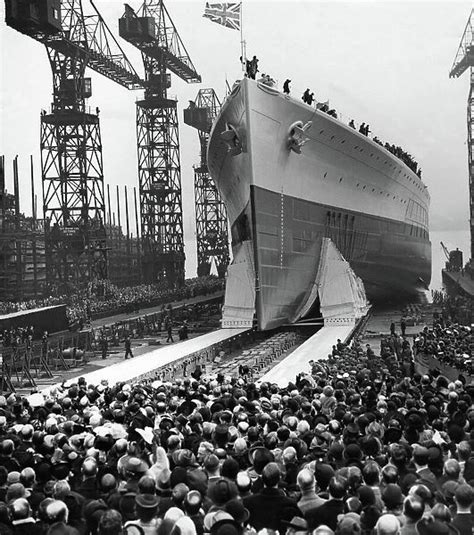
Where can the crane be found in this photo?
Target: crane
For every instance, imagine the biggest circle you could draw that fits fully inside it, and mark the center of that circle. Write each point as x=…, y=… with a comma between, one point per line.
x=71, y=146
x=153, y=33
x=463, y=61
x=454, y=258
x=445, y=250
x=211, y=215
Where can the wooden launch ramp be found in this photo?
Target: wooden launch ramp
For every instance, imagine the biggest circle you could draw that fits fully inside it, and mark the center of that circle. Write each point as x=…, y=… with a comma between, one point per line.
x=151, y=365
x=343, y=305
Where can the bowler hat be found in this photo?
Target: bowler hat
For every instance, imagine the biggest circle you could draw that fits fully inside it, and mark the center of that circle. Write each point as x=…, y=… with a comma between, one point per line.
x=222, y=490
x=297, y=523
x=147, y=501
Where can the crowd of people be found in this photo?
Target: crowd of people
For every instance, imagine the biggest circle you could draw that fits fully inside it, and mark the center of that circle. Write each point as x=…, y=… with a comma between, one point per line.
x=16, y=336
x=401, y=154
x=103, y=297
x=450, y=340
x=360, y=444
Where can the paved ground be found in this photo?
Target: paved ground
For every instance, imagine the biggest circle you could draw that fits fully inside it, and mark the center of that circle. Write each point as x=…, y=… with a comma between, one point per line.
x=116, y=354
x=380, y=319
x=377, y=326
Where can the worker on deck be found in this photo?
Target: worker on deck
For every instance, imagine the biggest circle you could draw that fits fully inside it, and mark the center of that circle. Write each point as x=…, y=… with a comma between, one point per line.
x=252, y=68
x=286, y=86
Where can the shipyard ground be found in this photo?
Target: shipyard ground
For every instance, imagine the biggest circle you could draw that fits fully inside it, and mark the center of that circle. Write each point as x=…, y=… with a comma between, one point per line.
x=154, y=353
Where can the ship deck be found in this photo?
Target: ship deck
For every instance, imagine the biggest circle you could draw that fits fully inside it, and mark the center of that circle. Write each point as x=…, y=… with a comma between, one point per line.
x=460, y=281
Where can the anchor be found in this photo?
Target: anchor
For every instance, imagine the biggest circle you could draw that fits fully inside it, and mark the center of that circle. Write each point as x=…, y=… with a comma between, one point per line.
x=232, y=139
x=296, y=135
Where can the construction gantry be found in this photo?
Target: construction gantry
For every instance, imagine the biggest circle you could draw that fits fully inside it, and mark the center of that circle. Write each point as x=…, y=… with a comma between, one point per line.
x=71, y=146
x=211, y=216
x=154, y=34
x=465, y=60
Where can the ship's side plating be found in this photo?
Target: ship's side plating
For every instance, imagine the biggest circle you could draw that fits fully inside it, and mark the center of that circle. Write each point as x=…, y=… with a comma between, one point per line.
x=342, y=185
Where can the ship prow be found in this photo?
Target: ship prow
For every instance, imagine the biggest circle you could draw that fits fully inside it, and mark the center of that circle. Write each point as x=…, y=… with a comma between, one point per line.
x=297, y=184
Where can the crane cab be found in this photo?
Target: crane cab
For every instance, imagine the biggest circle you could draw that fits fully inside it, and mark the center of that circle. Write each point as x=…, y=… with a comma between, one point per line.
x=32, y=16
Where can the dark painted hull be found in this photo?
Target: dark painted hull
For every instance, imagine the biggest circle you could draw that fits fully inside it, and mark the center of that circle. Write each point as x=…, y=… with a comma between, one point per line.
x=391, y=263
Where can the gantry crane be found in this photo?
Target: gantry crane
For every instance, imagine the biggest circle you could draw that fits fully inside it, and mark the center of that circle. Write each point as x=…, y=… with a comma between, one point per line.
x=154, y=34
x=211, y=215
x=465, y=60
x=71, y=146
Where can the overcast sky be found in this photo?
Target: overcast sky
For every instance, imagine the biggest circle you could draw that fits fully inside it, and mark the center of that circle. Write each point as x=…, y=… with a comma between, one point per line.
x=384, y=63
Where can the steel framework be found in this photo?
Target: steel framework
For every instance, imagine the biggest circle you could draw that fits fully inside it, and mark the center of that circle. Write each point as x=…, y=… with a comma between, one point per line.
x=71, y=147
x=159, y=169
x=463, y=61
x=211, y=215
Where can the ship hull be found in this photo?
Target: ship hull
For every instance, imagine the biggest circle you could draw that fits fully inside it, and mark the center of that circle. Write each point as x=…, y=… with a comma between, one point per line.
x=283, y=204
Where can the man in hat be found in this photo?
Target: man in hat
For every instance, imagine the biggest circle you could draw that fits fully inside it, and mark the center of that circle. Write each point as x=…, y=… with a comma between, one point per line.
x=286, y=86
x=146, y=507
x=296, y=526
x=270, y=507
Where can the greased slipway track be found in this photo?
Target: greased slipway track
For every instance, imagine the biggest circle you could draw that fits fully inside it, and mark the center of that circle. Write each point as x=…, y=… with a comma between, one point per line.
x=281, y=205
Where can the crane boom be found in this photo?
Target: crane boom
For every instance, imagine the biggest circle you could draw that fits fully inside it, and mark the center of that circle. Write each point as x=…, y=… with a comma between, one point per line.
x=73, y=33
x=465, y=54
x=445, y=250
x=155, y=35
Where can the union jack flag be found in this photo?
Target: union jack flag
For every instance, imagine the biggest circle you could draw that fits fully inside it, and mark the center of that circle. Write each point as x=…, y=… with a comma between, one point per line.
x=225, y=14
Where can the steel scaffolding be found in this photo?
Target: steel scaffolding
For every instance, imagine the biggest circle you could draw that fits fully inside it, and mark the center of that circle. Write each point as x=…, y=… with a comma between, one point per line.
x=159, y=170
x=463, y=61
x=211, y=215
x=71, y=147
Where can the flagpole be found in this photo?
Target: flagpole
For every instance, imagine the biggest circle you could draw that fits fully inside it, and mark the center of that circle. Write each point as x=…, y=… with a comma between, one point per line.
x=242, y=42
